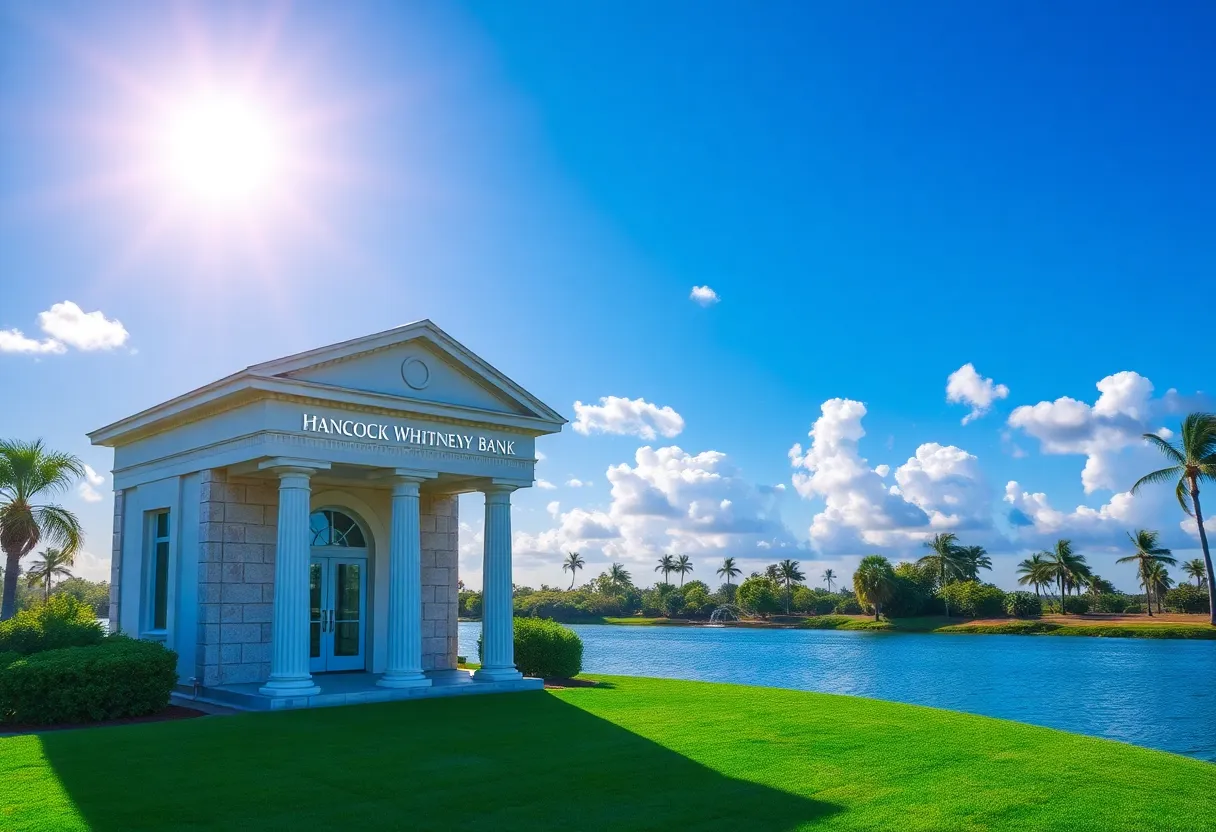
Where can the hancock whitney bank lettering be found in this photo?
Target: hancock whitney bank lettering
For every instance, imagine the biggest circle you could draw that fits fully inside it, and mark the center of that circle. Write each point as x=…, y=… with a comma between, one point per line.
x=379, y=431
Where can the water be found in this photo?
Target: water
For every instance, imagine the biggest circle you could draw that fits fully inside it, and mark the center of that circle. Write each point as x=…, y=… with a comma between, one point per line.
x=1155, y=693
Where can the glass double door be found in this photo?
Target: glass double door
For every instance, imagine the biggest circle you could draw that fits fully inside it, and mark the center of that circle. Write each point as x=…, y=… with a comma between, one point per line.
x=337, y=602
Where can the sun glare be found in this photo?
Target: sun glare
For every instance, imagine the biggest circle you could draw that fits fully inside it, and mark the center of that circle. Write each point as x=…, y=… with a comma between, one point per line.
x=222, y=150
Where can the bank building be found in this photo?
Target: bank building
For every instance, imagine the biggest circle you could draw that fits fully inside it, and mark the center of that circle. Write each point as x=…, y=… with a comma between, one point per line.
x=291, y=531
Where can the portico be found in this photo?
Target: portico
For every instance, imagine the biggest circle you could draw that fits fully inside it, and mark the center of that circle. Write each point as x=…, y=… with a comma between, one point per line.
x=299, y=520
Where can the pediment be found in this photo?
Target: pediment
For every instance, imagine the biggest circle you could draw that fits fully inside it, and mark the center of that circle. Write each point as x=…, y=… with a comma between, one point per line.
x=418, y=362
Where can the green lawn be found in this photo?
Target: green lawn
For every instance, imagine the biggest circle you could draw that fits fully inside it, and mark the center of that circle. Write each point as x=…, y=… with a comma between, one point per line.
x=637, y=754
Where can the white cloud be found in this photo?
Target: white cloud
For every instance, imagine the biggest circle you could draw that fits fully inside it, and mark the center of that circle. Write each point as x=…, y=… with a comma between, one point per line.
x=67, y=325
x=554, y=508
x=575, y=482
x=704, y=295
x=541, y=482
x=1109, y=434
x=668, y=500
x=540, y=457
x=13, y=340
x=627, y=417
x=91, y=566
x=87, y=489
x=966, y=386
x=941, y=487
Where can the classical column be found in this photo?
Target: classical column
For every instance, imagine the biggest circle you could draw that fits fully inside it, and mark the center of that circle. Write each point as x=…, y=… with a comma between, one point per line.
x=497, y=626
x=289, y=675
x=404, y=666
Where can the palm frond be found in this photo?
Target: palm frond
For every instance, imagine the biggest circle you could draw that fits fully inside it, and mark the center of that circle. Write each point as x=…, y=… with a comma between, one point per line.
x=1164, y=475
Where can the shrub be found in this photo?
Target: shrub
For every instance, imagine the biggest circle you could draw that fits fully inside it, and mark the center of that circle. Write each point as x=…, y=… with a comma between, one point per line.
x=1023, y=605
x=545, y=648
x=1076, y=604
x=1186, y=598
x=697, y=602
x=759, y=595
x=849, y=605
x=726, y=593
x=120, y=677
x=673, y=602
x=972, y=599
x=1134, y=608
x=1112, y=602
x=63, y=621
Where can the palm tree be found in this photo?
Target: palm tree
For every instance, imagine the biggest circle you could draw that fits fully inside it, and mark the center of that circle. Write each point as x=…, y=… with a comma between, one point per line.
x=54, y=564
x=971, y=560
x=874, y=582
x=1160, y=580
x=728, y=570
x=667, y=565
x=828, y=577
x=790, y=575
x=619, y=576
x=1147, y=553
x=1196, y=570
x=574, y=562
x=1194, y=460
x=1097, y=585
x=1035, y=571
x=683, y=567
x=29, y=472
x=1067, y=568
x=945, y=559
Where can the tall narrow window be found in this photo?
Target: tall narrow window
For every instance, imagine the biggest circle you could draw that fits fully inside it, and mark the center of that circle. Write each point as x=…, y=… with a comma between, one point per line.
x=159, y=569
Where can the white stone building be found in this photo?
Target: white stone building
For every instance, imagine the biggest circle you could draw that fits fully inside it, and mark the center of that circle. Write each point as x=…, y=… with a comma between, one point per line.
x=291, y=530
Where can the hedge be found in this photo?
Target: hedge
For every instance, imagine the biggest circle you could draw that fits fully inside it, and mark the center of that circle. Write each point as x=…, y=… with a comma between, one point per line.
x=545, y=648
x=120, y=677
x=63, y=621
x=1023, y=605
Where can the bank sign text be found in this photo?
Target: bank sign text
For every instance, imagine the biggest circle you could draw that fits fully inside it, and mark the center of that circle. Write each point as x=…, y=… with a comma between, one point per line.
x=379, y=431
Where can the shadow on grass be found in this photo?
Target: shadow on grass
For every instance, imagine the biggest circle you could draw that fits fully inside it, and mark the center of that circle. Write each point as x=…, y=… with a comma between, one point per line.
x=514, y=761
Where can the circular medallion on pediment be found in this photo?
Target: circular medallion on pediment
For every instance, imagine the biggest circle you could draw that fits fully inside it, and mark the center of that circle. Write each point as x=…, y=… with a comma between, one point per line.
x=415, y=372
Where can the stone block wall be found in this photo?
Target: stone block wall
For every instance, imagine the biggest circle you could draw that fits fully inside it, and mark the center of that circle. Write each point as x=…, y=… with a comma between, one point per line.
x=237, y=534
x=116, y=563
x=440, y=526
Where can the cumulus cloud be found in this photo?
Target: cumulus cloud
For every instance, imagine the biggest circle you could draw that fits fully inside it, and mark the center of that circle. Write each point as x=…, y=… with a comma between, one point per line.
x=704, y=295
x=575, y=482
x=669, y=500
x=87, y=489
x=541, y=482
x=13, y=340
x=67, y=325
x=627, y=417
x=940, y=488
x=966, y=386
x=1109, y=433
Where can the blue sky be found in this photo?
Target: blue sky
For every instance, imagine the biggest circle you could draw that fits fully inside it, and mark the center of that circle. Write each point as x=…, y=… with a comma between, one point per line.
x=877, y=197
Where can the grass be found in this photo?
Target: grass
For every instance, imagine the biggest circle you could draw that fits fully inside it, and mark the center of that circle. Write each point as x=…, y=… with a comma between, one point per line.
x=634, y=754
x=1086, y=628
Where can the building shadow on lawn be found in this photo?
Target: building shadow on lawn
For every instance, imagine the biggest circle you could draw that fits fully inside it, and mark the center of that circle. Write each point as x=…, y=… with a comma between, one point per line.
x=514, y=761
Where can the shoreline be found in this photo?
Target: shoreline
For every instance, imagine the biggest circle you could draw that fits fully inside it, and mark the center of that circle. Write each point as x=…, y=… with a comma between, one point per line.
x=1087, y=626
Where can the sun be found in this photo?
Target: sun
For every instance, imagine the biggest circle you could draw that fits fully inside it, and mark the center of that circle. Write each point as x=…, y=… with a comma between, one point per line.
x=221, y=149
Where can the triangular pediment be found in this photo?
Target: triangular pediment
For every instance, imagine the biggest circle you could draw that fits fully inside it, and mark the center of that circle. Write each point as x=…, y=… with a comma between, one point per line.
x=417, y=362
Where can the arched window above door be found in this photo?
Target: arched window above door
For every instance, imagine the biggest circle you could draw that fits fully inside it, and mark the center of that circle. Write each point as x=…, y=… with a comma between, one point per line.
x=333, y=528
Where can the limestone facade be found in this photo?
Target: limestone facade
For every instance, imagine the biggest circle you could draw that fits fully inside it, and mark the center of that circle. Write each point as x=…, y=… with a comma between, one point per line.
x=238, y=529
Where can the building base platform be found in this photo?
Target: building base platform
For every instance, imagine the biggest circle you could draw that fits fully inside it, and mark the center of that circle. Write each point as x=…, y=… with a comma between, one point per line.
x=356, y=688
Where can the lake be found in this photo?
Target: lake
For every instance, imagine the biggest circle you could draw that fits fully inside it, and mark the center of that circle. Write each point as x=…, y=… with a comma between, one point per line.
x=1155, y=693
